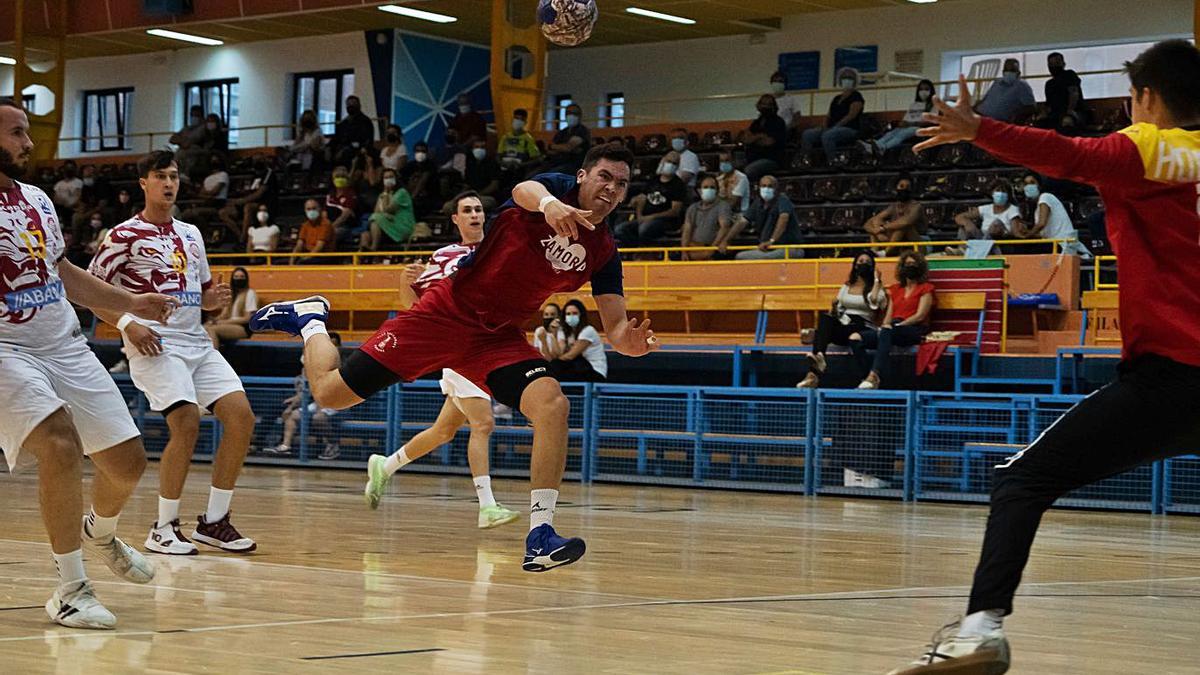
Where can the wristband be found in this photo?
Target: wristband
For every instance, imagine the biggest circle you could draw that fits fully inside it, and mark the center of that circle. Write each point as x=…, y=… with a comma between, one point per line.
x=124, y=321
x=546, y=200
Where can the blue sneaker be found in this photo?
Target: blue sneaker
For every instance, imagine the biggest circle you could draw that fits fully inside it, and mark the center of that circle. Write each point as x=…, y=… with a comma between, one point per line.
x=544, y=549
x=289, y=316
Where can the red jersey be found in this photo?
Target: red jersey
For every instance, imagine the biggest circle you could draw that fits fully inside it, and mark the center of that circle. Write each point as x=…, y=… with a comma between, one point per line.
x=1147, y=178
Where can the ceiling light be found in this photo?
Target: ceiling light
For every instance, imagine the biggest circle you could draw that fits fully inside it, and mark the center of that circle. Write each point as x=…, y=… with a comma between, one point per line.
x=418, y=14
x=660, y=16
x=923, y=2
x=208, y=42
x=7, y=61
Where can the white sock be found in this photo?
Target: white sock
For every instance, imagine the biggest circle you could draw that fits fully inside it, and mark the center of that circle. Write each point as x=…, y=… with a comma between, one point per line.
x=96, y=527
x=483, y=490
x=396, y=460
x=218, y=504
x=70, y=566
x=314, y=327
x=981, y=623
x=541, y=507
x=168, y=510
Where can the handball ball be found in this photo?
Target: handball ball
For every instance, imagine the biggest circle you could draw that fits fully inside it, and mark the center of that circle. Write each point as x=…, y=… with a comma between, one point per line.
x=567, y=23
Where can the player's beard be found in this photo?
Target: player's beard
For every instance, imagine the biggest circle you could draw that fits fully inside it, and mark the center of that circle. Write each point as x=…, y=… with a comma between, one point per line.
x=9, y=166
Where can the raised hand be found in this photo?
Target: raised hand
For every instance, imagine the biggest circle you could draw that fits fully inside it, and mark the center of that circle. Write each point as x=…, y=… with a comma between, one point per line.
x=411, y=273
x=566, y=220
x=636, y=340
x=951, y=124
x=218, y=296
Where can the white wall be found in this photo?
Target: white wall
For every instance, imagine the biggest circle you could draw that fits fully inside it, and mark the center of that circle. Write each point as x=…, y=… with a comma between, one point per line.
x=733, y=65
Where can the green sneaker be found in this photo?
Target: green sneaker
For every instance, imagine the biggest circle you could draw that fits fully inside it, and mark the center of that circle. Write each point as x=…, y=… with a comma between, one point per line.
x=494, y=516
x=377, y=480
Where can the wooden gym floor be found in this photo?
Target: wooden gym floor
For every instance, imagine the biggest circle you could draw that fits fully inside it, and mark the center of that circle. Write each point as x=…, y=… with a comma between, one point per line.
x=675, y=581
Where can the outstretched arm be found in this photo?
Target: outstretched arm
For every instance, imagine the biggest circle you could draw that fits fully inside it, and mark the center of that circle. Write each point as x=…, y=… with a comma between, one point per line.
x=626, y=335
x=85, y=289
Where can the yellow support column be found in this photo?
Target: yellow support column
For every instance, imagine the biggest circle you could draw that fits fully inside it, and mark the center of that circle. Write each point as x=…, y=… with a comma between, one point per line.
x=43, y=129
x=518, y=63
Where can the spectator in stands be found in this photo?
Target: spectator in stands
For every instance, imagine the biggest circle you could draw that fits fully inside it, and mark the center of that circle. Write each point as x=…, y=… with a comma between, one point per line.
x=308, y=145
x=844, y=119
x=469, y=124
x=68, y=191
x=907, y=129
x=320, y=423
x=217, y=133
x=263, y=192
x=209, y=200
x=215, y=187
x=859, y=307
x=773, y=217
x=393, y=216
x=990, y=221
x=1043, y=216
x=124, y=209
x=317, y=234
x=567, y=148
x=765, y=141
x=733, y=187
x=342, y=204
x=482, y=176
x=419, y=177
x=394, y=153
x=194, y=144
x=518, y=148
x=354, y=131
x=788, y=107
x=86, y=240
x=548, y=337
x=658, y=210
x=902, y=220
x=906, y=322
x=232, y=323
x=689, y=163
x=706, y=221
x=453, y=158
x=1066, y=111
x=582, y=358
x=263, y=235
x=1009, y=99
x=95, y=198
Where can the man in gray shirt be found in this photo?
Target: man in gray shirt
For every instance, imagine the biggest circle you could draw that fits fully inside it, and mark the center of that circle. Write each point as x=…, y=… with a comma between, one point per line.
x=1010, y=99
x=706, y=221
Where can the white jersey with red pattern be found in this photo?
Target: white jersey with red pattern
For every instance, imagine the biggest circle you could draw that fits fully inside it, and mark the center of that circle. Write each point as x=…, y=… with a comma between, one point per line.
x=35, y=315
x=443, y=263
x=145, y=257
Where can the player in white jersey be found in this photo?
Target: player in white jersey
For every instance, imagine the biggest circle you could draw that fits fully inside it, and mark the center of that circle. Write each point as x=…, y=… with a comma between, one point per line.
x=465, y=402
x=59, y=403
x=176, y=365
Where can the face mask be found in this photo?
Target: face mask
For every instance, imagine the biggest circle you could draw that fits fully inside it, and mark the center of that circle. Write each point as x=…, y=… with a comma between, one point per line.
x=865, y=270
x=313, y=214
x=1010, y=76
x=237, y=283
x=766, y=110
x=668, y=169
x=909, y=271
x=778, y=88
x=393, y=138
x=903, y=195
x=263, y=217
x=572, y=320
x=546, y=321
x=847, y=83
x=340, y=182
x=420, y=156
x=89, y=181
x=1032, y=191
x=726, y=167
x=678, y=144
x=197, y=120
x=708, y=194
x=212, y=126
x=1000, y=198
x=479, y=154
x=97, y=224
x=353, y=109
x=923, y=94
x=767, y=193
x=124, y=199
x=1057, y=70
x=389, y=183
x=572, y=120
x=464, y=109
x=518, y=125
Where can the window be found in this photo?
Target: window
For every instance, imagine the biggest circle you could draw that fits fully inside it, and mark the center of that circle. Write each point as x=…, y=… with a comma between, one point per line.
x=214, y=96
x=106, y=118
x=556, y=116
x=613, y=113
x=325, y=94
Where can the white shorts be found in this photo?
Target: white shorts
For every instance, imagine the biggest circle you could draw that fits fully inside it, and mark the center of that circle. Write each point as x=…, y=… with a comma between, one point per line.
x=457, y=386
x=34, y=386
x=197, y=375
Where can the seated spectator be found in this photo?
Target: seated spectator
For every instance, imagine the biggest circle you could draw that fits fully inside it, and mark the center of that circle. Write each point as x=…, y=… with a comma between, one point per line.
x=86, y=240
x=844, y=119
x=518, y=148
x=706, y=221
x=217, y=133
x=393, y=216
x=567, y=148
x=263, y=236
x=548, y=337
x=902, y=220
x=913, y=120
x=419, y=177
x=452, y=158
x=990, y=221
x=95, y=198
x=194, y=145
x=482, y=176
x=469, y=124
x=216, y=184
x=765, y=141
x=859, y=307
x=906, y=322
x=317, y=234
x=689, y=163
x=1066, y=111
x=733, y=187
x=67, y=192
x=232, y=323
x=773, y=217
x=209, y=201
x=308, y=146
x=1043, y=216
x=124, y=209
x=658, y=210
x=788, y=107
x=352, y=132
x=582, y=358
x=342, y=204
x=1009, y=99
x=394, y=153
x=263, y=192
x=320, y=424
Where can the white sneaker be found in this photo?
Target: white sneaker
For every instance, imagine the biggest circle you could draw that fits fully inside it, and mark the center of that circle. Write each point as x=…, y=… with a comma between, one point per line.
x=120, y=558
x=948, y=653
x=867, y=384
x=121, y=366
x=75, y=605
x=168, y=540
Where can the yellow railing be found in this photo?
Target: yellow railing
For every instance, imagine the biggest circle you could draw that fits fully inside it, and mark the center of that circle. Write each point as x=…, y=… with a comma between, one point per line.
x=1097, y=283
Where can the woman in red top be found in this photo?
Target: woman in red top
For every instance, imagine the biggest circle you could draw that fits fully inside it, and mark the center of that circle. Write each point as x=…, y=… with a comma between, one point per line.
x=907, y=320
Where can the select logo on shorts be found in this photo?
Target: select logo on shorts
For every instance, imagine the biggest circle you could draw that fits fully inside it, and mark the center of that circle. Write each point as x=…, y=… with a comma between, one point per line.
x=536, y=371
x=188, y=298
x=563, y=255
x=31, y=298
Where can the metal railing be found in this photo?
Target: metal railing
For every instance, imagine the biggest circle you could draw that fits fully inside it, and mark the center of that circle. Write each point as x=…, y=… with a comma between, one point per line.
x=1097, y=282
